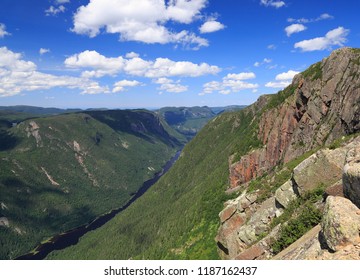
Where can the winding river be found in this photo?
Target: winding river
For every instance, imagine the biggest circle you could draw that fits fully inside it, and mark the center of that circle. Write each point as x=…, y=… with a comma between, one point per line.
x=71, y=237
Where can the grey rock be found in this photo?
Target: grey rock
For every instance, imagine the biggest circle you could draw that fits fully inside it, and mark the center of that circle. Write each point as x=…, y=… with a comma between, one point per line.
x=351, y=176
x=341, y=223
x=285, y=194
x=4, y=222
x=323, y=168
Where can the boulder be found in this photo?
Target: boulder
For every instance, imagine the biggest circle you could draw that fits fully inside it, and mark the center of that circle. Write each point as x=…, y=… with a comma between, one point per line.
x=323, y=168
x=227, y=239
x=335, y=189
x=4, y=222
x=285, y=194
x=259, y=222
x=351, y=176
x=341, y=223
x=227, y=213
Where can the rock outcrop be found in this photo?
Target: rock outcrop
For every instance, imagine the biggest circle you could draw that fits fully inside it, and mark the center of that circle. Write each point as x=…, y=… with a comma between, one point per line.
x=337, y=238
x=322, y=170
x=325, y=105
x=351, y=177
x=341, y=223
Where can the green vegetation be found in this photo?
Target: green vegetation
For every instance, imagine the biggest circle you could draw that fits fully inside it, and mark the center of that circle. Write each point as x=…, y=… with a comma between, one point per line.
x=300, y=216
x=279, y=98
x=178, y=217
x=314, y=72
x=268, y=183
x=59, y=172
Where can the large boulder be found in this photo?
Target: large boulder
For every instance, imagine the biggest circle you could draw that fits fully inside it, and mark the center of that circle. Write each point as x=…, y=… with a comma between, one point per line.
x=323, y=168
x=285, y=194
x=351, y=176
x=340, y=223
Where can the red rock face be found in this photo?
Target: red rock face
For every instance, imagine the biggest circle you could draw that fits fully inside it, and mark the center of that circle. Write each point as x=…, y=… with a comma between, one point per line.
x=319, y=112
x=276, y=130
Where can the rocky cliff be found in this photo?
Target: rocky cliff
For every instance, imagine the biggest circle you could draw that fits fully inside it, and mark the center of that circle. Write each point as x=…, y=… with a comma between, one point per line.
x=323, y=104
x=294, y=185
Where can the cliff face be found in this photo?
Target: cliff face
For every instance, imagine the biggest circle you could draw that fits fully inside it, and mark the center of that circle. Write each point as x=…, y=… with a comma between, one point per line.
x=321, y=108
x=325, y=104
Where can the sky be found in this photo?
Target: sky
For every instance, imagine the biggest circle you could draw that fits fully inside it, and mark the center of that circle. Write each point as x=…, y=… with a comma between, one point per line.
x=156, y=53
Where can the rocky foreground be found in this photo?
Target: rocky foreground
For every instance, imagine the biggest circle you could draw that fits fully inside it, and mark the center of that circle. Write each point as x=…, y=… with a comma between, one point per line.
x=321, y=119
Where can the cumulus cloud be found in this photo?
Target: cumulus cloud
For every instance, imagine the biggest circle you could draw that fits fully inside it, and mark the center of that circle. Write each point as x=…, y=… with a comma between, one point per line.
x=91, y=59
x=282, y=80
x=231, y=83
x=170, y=85
x=57, y=8
x=272, y=3
x=271, y=47
x=141, y=20
x=211, y=26
x=335, y=37
x=53, y=11
x=43, y=51
x=100, y=66
x=265, y=61
x=324, y=16
x=18, y=75
x=122, y=85
x=3, y=31
x=294, y=28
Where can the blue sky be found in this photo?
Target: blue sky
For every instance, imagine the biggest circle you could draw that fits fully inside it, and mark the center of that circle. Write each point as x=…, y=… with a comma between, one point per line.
x=155, y=53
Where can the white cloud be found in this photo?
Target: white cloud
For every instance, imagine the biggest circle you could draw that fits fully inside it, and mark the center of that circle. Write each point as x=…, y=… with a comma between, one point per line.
x=3, y=31
x=265, y=61
x=335, y=37
x=282, y=79
x=211, y=26
x=43, y=51
x=136, y=66
x=280, y=84
x=324, y=16
x=62, y=1
x=240, y=76
x=52, y=10
x=170, y=85
x=289, y=75
x=141, y=20
x=122, y=85
x=231, y=83
x=294, y=28
x=273, y=3
x=91, y=59
x=17, y=76
x=132, y=55
x=271, y=47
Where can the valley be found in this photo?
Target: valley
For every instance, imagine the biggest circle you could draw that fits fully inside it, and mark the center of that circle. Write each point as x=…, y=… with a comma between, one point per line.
x=61, y=169
x=268, y=181
x=250, y=179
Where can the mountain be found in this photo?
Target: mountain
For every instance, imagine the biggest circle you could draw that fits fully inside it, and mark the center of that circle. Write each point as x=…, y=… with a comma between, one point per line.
x=187, y=120
x=33, y=110
x=59, y=172
x=254, y=181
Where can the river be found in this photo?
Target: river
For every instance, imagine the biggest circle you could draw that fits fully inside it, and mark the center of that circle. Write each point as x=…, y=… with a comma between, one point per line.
x=71, y=237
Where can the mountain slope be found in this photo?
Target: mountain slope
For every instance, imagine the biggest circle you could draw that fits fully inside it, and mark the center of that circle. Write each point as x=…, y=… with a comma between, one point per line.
x=178, y=217
x=59, y=172
x=187, y=120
